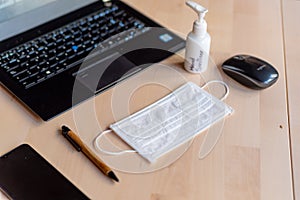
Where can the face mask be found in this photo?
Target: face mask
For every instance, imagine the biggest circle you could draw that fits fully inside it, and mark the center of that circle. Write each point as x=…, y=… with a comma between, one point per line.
x=170, y=122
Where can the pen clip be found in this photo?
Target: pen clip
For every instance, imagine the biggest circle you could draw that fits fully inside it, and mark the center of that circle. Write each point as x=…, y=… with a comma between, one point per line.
x=74, y=144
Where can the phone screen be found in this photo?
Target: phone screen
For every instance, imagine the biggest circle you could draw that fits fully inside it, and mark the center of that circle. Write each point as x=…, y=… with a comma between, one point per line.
x=24, y=174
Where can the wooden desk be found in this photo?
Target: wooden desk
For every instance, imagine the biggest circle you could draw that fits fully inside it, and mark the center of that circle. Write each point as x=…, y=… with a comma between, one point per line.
x=292, y=60
x=251, y=159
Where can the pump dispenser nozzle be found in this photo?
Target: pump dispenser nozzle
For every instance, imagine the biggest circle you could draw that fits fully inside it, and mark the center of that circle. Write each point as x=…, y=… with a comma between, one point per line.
x=201, y=11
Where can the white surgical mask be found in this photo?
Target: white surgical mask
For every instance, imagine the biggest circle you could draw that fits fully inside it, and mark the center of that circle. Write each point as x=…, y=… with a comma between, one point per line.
x=170, y=122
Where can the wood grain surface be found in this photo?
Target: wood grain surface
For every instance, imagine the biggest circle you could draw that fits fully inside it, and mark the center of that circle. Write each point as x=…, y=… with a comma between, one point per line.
x=291, y=15
x=251, y=159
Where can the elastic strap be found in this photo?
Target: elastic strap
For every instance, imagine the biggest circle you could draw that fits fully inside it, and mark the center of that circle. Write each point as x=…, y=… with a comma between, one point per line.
x=222, y=83
x=116, y=153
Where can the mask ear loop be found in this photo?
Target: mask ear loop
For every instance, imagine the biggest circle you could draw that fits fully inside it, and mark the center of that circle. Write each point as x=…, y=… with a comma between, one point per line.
x=117, y=153
x=220, y=82
x=203, y=154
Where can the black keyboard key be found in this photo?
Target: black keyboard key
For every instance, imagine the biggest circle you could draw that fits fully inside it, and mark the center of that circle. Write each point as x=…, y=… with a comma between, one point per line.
x=62, y=61
x=88, y=49
x=34, y=71
x=60, y=49
x=40, y=77
x=23, y=75
x=13, y=62
x=25, y=65
x=29, y=81
x=42, y=62
x=54, y=64
x=40, y=48
x=81, y=53
x=95, y=32
x=60, y=55
x=119, y=13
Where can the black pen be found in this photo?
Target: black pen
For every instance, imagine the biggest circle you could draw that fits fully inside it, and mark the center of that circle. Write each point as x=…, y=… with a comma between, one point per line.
x=81, y=147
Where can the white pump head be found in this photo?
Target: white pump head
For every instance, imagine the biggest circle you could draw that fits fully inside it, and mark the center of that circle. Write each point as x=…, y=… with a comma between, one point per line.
x=200, y=10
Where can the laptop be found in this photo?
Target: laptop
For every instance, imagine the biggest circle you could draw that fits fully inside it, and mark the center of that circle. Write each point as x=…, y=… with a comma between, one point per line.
x=49, y=47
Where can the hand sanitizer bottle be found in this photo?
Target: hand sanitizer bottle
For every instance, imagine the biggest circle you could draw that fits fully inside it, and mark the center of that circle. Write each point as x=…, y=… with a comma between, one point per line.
x=197, y=42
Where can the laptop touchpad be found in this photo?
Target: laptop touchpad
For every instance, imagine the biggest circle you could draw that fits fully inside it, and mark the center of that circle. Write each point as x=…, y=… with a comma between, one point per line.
x=99, y=75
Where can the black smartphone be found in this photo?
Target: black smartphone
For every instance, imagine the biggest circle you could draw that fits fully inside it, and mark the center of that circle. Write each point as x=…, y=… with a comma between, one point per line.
x=24, y=174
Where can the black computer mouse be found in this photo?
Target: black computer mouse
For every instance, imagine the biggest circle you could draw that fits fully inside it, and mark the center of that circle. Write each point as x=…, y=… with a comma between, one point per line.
x=250, y=71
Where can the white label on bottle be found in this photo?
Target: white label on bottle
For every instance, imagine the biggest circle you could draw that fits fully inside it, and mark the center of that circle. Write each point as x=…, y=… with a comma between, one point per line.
x=197, y=62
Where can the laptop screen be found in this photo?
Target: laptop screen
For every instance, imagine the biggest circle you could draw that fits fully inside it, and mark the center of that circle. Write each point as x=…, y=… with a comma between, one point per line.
x=17, y=16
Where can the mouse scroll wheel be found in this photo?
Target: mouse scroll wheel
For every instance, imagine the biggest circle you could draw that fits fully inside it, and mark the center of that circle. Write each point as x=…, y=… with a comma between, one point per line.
x=240, y=57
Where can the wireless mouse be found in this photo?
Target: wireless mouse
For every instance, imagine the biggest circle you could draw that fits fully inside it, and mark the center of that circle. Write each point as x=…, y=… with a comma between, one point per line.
x=250, y=71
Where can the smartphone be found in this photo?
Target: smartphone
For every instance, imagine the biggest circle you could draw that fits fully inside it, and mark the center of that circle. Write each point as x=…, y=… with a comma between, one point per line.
x=24, y=174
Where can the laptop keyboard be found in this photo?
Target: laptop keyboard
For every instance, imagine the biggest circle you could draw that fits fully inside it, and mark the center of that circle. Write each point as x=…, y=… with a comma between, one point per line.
x=44, y=57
